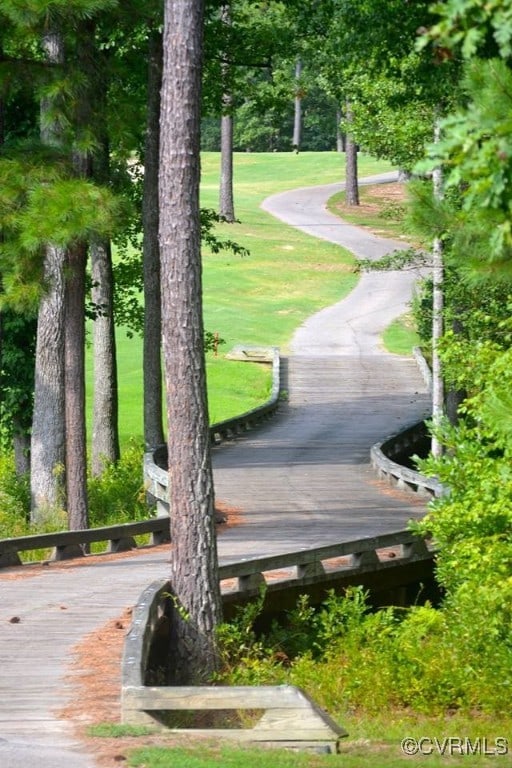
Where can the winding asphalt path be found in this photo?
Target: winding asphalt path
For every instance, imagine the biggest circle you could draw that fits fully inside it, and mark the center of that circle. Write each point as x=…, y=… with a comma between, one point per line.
x=301, y=481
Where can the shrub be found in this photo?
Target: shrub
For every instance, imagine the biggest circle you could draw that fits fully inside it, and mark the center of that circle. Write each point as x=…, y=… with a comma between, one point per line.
x=118, y=494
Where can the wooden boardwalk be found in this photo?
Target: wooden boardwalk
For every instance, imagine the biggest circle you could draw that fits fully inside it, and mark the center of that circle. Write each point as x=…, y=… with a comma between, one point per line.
x=302, y=480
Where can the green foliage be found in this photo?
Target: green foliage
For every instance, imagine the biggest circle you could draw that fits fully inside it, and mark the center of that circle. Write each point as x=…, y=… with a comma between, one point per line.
x=117, y=495
x=422, y=659
x=473, y=27
x=17, y=352
x=475, y=151
x=41, y=204
x=14, y=499
x=387, y=121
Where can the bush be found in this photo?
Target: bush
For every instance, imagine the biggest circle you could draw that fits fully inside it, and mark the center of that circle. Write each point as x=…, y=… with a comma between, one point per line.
x=118, y=494
x=429, y=660
x=14, y=499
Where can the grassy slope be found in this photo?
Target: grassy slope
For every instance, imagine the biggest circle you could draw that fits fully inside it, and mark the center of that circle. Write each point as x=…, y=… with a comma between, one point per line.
x=259, y=299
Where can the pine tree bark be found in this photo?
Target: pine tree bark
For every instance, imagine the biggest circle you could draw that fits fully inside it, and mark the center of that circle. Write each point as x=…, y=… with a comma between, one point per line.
x=152, y=346
x=226, y=195
x=105, y=425
x=340, y=138
x=297, y=115
x=437, y=316
x=74, y=328
x=194, y=573
x=48, y=429
x=105, y=432
x=351, y=175
x=76, y=451
x=47, y=453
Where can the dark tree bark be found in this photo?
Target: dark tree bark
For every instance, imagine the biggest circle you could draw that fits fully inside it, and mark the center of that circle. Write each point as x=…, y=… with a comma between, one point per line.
x=351, y=177
x=48, y=427
x=76, y=451
x=297, y=116
x=105, y=432
x=105, y=429
x=48, y=431
x=226, y=196
x=194, y=572
x=340, y=138
x=152, y=348
x=74, y=338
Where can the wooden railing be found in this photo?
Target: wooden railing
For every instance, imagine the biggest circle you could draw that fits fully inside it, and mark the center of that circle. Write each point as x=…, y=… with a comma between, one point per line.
x=289, y=716
x=64, y=545
x=68, y=544
x=387, y=456
x=155, y=460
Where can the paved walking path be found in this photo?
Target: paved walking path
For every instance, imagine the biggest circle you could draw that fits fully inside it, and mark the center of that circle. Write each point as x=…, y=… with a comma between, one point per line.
x=300, y=481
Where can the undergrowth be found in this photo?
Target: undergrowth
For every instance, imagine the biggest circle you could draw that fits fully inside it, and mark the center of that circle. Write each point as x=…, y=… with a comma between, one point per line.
x=117, y=496
x=351, y=658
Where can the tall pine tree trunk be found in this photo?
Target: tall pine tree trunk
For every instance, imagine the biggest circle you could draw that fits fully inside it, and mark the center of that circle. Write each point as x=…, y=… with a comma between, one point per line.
x=152, y=348
x=226, y=196
x=48, y=428
x=105, y=426
x=105, y=432
x=76, y=442
x=351, y=175
x=297, y=115
x=437, y=316
x=194, y=572
x=76, y=451
x=340, y=138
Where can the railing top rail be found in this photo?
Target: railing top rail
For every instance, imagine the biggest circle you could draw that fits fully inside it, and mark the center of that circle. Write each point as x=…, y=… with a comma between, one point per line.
x=88, y=536
x=306, y=556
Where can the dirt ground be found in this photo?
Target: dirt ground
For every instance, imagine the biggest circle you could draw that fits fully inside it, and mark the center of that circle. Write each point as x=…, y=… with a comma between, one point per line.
x=95, y=672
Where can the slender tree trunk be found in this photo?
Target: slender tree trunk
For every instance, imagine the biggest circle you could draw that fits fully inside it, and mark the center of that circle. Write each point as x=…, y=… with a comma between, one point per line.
x=152, y=348
x=76, y=441
x=194, y=571
x=226, y=197
x=340, y=138
x=297, y=115
x=351, y=177
x=437, y=316
x=105, y=432
x=47, y=443
x=76, y=451
x=105, y=428
x=48, y=427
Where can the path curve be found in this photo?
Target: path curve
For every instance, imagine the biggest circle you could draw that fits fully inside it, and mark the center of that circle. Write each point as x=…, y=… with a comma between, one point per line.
x=301, y=481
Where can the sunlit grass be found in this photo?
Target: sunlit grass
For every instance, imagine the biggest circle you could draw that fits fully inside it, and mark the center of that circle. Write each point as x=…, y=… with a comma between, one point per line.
x=263, y=297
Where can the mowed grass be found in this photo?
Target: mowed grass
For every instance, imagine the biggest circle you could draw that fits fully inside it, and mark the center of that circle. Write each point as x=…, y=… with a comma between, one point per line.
x=258, y=299
x=444, y=741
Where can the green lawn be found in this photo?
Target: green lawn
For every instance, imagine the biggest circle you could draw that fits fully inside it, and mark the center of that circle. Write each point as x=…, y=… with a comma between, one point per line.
x=261, y=298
